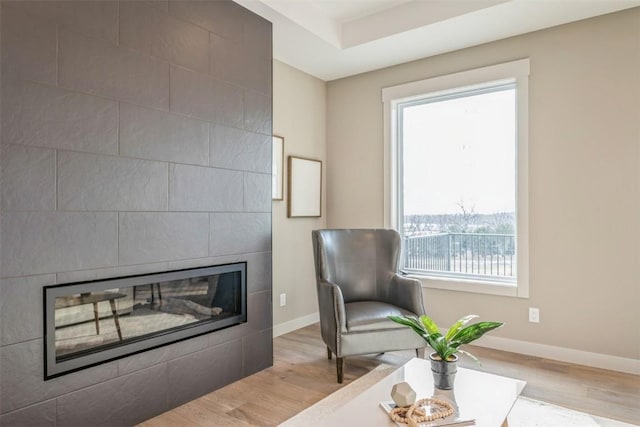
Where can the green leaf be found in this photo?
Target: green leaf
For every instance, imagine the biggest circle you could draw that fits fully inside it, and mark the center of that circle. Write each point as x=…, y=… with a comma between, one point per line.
x=459, y=324
x=440, y=344
x=431, y=340
x=411, y=322
x=475, y=331
x=448, y=352
x=429, y=325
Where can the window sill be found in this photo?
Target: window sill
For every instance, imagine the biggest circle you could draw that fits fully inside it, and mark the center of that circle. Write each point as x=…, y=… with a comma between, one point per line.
x=473, y=286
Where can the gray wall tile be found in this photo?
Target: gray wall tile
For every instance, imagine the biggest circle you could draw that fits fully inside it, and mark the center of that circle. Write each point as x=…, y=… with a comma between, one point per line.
x=21, y=308
x=106, y=273
x=257, y=350
x=22, y=373
x=100, y=68
x=152, y=237
x=258, y=75
x=257, y=112
x=257, y=36
x=196, y=188
x=206, y=261
x=132, y=399
x=38, y=415
x=226, y=59
x=93, y=18
x=257, y=192
x=258, y=267
x=152, y=31
x=156, y=135
x=46, y=242
x=230, y=62
x=270, y=76
x=233, y=148
x=259, y=308
x=95, y=182
x=259, y=271
x=160, y=355
x=28, y=47
x=233, y=233
x=160, y=4
x=233, y=333
x=28, y=178
x=224, y=18
x=203, y=262
x=217, y=366
x=44, y=116
x=202, y=96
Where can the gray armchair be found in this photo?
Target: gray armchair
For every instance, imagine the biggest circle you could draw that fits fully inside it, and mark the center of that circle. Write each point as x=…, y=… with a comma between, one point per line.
x=358, y=287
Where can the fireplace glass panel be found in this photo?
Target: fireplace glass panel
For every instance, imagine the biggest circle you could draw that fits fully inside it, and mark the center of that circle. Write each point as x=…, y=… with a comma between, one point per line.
x=92, y=321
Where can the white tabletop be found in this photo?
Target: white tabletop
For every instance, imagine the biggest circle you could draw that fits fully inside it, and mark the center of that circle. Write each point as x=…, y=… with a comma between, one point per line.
x=484, y=397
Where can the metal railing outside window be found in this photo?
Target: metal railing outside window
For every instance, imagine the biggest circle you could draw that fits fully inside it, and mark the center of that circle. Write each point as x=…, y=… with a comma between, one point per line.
x=467, y=253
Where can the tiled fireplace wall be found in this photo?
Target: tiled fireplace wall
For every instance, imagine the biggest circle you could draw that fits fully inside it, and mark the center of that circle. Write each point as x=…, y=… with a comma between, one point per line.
x=135, y=139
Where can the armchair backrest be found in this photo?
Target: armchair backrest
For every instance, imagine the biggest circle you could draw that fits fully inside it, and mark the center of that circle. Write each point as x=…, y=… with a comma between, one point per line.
x=360, y=261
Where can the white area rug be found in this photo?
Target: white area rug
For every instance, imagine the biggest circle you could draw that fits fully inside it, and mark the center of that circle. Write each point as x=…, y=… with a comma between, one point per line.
x=525, y=413
x=533, y=413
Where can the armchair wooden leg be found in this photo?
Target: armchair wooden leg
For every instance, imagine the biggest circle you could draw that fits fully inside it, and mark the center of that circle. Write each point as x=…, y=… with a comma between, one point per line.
x=329, y=353
x=420, y=353
x=339, y=367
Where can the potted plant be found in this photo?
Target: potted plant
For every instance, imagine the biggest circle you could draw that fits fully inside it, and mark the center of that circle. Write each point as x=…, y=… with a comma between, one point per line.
x=444, y=358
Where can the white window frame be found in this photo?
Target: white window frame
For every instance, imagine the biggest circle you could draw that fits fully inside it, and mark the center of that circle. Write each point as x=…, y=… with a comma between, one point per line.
x=517, y=71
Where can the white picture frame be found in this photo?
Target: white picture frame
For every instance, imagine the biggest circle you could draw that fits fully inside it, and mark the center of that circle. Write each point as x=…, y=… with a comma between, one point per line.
x=304, y=186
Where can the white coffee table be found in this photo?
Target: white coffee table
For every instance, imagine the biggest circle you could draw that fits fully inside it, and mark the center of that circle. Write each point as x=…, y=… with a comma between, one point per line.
x=485, y=397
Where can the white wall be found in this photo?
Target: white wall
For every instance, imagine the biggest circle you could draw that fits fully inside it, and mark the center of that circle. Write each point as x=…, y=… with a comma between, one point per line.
x=584, y=179
x=299, y=106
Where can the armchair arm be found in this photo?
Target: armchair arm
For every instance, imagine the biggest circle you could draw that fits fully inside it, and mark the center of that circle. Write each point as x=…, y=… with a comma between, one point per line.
x=406, y=293
x=331, y=306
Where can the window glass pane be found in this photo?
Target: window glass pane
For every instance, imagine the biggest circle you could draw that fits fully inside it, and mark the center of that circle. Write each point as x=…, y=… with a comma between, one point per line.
x=459, y=183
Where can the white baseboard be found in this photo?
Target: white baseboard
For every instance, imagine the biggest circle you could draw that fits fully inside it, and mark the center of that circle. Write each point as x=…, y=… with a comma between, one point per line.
x=563, y=354
x=292, y=325
x=579, y=357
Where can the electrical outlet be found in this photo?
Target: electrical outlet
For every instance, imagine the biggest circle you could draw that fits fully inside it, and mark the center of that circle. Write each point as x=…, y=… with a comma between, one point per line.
x=534, y=315
x=283, y=300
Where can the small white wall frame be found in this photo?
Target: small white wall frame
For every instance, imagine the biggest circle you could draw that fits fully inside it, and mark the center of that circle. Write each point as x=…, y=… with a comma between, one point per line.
x=304, y=187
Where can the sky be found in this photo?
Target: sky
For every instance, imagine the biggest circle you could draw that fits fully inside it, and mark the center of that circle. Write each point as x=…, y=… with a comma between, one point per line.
x=460, y=151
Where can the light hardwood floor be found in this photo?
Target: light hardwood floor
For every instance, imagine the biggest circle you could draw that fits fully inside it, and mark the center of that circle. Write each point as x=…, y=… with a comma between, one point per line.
x=301, y=375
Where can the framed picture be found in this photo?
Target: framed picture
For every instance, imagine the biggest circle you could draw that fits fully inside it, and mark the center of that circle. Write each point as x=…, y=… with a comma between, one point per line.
x=277, y=168
x=305, y=187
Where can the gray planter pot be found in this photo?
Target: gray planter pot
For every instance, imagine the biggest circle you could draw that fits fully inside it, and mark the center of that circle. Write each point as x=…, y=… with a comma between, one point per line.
x=444, y=372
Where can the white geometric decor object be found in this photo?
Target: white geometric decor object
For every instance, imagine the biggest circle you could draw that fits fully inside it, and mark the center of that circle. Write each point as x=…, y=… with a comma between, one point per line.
x=403, y=395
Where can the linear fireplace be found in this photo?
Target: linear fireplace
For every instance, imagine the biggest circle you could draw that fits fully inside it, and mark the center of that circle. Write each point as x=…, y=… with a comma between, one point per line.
x=88, y=323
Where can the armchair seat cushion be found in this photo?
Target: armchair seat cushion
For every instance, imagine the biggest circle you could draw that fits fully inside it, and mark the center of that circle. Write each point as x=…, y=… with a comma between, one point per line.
x=367, y=316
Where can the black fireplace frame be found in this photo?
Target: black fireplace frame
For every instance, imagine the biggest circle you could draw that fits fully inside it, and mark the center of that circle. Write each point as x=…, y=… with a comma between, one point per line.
x=54, y=368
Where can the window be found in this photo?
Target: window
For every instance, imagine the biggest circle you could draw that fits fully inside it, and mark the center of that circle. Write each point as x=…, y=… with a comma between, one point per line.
x=456, y=169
